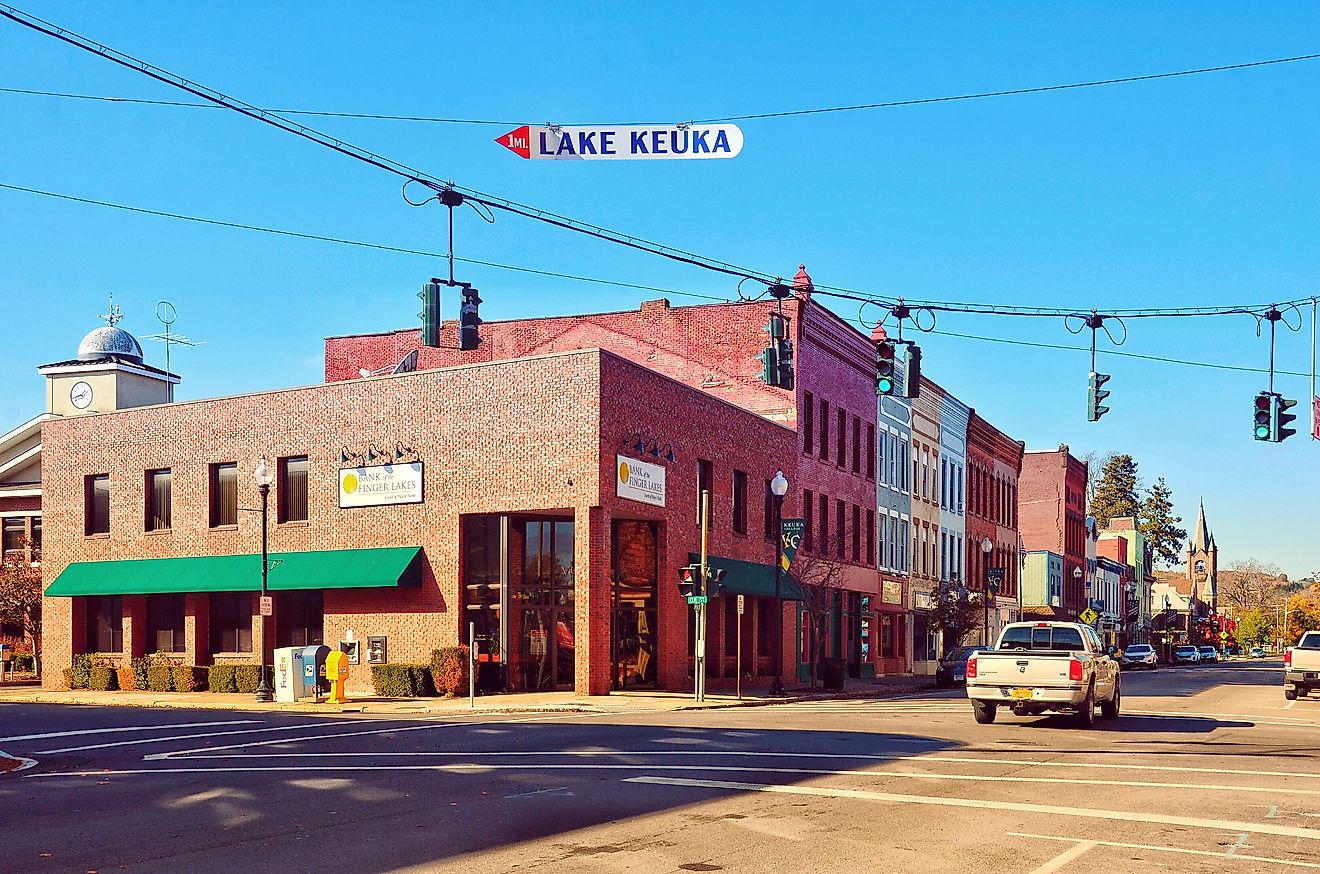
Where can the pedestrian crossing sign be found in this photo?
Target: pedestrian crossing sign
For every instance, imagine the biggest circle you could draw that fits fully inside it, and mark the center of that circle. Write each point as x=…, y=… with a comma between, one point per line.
x=1089, y=616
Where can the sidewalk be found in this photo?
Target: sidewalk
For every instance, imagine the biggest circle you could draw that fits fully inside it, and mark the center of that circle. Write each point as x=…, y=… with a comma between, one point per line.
x=528, y=702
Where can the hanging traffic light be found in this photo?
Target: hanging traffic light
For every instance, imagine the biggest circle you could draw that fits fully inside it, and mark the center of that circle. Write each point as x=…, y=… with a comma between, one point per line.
x=1264, y=413
x=687, y=580
x=911, y=370
x=884, y=368
x=430, y=314
x=469, y=319
x=769, y=359
x=785, y=363
x=1283, y=417
x=1095, y=409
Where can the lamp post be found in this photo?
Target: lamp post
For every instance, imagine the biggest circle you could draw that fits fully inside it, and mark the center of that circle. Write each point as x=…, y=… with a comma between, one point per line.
x=1077, y=577
x=986, y=547
x=779, y=488
x=264, y=477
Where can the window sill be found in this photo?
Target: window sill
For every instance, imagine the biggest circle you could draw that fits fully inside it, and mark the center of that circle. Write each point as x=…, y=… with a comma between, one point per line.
x=158, y=532
x=97, y=536
x=293, y=523
x=231, y=655
x=222, y=528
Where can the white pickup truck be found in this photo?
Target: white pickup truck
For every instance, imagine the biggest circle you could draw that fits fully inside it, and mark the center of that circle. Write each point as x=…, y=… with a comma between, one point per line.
x=1040, y=666
x=1301, y=666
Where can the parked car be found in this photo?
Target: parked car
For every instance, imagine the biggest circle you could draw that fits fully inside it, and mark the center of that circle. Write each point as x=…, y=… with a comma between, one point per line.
x=1257, y=652
x=1040, y=666
x=1209, y=655
x=1186, y=655
x=1137, y=655
x=952, y=669
x=1301, y=666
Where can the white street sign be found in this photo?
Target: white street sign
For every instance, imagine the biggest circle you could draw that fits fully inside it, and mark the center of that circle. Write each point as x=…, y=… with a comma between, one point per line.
x=625, y=142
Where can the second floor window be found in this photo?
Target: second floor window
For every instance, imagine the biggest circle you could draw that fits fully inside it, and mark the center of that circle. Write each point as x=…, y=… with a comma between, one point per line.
x=224, y=494
x=14, y=529
x=293, y=489
x=158, y=500
x=739, y=502
x=96, y=500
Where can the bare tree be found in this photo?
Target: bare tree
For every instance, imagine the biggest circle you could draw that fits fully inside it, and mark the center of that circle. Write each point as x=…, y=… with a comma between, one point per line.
x=820, y=573
x=1095, y=466
x=1250, y=584
x=20, y=599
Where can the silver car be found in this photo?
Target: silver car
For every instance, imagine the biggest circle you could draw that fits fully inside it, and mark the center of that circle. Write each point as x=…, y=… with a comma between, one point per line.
x=1137, y=655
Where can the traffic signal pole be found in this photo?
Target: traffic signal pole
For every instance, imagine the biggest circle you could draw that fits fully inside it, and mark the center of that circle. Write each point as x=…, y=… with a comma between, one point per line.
x=699, y=650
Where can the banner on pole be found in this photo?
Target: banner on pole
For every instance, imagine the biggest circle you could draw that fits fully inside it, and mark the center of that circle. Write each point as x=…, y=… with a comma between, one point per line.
x=790, y=539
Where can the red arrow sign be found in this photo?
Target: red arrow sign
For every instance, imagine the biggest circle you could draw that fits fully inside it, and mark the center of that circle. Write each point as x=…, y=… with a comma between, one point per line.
x=517, y=141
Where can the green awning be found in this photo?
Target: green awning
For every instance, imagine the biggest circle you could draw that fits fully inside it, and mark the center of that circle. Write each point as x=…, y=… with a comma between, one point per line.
x=324, y=569
x=750, y=578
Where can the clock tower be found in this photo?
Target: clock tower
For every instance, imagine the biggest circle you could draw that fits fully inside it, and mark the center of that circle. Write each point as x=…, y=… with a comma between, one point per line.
x=108, y=374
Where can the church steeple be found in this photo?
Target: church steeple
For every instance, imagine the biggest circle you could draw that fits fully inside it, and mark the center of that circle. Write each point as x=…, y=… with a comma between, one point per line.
x=1202, y=539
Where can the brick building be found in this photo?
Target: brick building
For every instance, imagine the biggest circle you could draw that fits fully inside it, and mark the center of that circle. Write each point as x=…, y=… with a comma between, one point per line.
x=925, y=502
x=994, y=464
x=1053, y=517
x=714, y=348
x=512, y=516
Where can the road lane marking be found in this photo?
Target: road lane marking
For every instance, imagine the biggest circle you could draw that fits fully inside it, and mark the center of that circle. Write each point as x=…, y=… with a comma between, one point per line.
x=1274, y=812
x=1290, y=705
x=558, y=790
x=1282, y=720
x=984, y=804
x=1074, y=852
x=1241, y=842
x=84, y=731
x=23, y=763
x=168, y=738
x=460, y=721
x=1242, y=857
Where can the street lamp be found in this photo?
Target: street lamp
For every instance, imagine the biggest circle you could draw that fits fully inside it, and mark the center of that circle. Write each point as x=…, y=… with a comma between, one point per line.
x=264, y=478
x=1077, y=577
x=986, y=547
x=779, y=488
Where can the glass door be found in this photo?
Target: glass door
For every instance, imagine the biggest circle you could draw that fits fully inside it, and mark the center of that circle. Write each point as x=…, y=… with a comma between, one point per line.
x=633, y=620
x=541, y=606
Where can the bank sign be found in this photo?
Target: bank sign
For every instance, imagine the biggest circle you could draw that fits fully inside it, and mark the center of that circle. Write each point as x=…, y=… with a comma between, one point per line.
x=639, y=481
x=624, y=142
x=380, y=485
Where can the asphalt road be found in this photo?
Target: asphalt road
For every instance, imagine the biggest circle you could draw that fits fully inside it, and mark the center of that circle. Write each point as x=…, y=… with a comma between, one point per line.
x=1207, y=769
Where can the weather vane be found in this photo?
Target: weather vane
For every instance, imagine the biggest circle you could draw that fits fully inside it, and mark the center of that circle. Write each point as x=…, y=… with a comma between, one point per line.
x=112, y=315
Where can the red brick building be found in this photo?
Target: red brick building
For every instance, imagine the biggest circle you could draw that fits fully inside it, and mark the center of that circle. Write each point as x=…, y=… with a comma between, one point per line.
x=1053, y=517
x=511, y=515
x=714, y=348
x=994, y=463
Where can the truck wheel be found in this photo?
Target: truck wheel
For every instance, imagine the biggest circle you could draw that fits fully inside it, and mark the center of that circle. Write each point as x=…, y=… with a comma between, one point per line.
x=1110, y=708
x=1290, y=694
x=1086, y=712
x=983, y=712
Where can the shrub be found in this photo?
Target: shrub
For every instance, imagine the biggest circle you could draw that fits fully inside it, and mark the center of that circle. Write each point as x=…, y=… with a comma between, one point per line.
x=221, y=679
x=102, y=679
x=393, y=681
x=160, y=678
x=449, y=670
x=82, y=671
x=68, y=679
x=127, y=679
x=247, y=678
x=140, y=666
x=419, y=677
x=188, y=678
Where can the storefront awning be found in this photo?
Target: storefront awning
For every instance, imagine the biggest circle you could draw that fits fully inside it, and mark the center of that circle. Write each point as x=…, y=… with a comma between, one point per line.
x=750, y=578
x=324, y=569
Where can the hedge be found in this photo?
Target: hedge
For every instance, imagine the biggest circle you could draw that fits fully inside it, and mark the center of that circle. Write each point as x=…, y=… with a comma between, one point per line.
x=82, y=671
x=140, y=666
x=402, y=681
x=103, y=679
x=160, y=677
x=449, y=670
x=68, y=679
x=221, y=678
x=127, y=679
x=188, y=678
x=247, y=678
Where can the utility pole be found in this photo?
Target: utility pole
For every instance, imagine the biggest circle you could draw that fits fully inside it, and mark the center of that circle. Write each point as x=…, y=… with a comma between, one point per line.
x=699, y=652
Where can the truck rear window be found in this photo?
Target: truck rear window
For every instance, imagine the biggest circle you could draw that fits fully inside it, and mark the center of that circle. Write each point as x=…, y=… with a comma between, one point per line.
x=1050, y=637
x=1310, y=640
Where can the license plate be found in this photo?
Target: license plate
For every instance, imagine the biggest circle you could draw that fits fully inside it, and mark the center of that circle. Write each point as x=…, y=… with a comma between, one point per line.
x=1021, y=693
x=959, y=677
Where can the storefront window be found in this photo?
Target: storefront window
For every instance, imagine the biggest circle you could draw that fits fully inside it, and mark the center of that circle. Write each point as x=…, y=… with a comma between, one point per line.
x=105, y=623
x=165, y=623
x=633, y=622
x=299, y=618
x=482, y=580
x=231, y=622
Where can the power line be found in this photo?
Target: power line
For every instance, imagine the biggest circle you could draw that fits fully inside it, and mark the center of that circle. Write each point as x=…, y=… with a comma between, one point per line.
x=980, y=95
x=590, y=279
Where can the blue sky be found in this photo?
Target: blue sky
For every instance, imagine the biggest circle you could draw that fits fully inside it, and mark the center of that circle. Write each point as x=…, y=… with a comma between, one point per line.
x=1191, y=191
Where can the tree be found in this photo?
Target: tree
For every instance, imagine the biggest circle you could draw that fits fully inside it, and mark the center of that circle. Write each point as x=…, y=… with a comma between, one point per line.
x=1255, y=628
x=820, y=574
x=1116, y=492
x=20, y=599
x=1156, y=522
x=1303, y=615
x=953, y=613
x=1095, y=463
x=1249, y=584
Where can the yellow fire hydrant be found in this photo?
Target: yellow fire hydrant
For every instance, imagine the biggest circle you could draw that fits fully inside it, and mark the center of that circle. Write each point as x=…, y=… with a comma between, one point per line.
x=336, y=671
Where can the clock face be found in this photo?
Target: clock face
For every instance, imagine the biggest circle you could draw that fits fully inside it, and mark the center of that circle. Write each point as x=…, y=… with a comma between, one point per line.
x=81, y=395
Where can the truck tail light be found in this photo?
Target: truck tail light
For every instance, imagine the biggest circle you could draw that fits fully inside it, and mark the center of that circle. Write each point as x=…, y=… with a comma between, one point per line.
x=1287, y=658
x=971, y=667
x=1074, y=669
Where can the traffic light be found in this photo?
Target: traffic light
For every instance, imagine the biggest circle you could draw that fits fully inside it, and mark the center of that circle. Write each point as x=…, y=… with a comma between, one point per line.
x=769, y=359
x=430, y=314
x=1264, y=410
x=1283, y=417
x=1094, y=409
x=688, y=584
x=911, y=370
x=469, y=319
x=884, y=368
x=714, y=580
x=785, y=356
